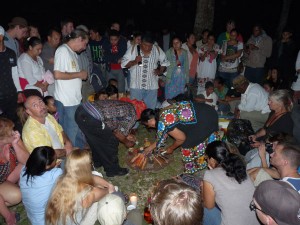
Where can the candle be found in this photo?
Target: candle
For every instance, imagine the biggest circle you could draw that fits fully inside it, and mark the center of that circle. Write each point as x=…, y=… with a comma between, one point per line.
x=133, y=199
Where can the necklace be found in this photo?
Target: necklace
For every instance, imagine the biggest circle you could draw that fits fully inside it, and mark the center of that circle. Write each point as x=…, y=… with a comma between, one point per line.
x=274, y=118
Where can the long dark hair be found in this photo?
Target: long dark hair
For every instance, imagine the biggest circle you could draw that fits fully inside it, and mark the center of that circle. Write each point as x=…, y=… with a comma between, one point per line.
x=39, y=159
x=231, y=163
x=148, y=114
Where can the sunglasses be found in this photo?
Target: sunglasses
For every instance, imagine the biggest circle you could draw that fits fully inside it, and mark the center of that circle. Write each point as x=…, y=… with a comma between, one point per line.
x=253, y=207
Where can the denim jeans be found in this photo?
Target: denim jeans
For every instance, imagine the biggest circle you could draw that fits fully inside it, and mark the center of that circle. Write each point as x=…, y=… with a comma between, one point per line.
x=66, y=118
x=119, y=76
x=228, y=77
x=148, y=96
x=254, y=75
x=212, y=216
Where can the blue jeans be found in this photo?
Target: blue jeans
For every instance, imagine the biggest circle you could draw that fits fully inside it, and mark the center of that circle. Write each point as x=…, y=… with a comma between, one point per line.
x=254, y=75
x=228, y=77
x=119, y=76
x=66, y=117
x=212, y=216
x=148, y=96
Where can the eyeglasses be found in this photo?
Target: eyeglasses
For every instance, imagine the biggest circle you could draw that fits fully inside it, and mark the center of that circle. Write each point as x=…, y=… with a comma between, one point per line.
x=253, y=207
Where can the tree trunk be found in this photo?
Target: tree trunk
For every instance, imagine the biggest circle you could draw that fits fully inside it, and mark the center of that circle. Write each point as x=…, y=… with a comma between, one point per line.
x=286, y=5
x=204, y=16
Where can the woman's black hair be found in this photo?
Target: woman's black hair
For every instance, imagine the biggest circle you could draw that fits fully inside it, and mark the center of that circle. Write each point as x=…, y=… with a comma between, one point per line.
x=148, y=114
x=32, y=41
x=111, y=90
x=47, y=98
x=231, y=163
x=39, y=159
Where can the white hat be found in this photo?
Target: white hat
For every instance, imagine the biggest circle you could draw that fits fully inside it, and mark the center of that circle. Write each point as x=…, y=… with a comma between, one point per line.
x=111, y=210
x=2, y=31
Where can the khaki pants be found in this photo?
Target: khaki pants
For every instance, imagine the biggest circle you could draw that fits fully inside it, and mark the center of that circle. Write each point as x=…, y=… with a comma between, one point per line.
x=256, y=118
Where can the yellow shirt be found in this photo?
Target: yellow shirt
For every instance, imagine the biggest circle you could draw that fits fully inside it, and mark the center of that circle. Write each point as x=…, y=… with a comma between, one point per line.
x=34, y=133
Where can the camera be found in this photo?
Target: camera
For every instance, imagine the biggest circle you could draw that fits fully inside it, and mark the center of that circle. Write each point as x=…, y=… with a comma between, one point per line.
x=269, y=148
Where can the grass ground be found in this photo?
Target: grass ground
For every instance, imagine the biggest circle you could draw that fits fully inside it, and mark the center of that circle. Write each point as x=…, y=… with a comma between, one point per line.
x=139, y=182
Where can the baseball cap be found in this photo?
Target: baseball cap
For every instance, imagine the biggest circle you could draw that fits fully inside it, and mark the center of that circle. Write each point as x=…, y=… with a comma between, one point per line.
x=2, y=31
x=18, y=21
x=238, y=81
x=111, y=210
x=279, y=200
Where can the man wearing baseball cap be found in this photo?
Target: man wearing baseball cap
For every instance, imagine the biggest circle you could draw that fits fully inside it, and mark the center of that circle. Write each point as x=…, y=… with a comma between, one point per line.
x=17, y=30
x=276, y=203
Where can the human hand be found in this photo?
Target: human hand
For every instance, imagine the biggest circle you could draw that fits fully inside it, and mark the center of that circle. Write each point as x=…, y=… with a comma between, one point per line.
x=209, y=100
x=16, y=137
x=156, y=72
x=131, y=137
x=111, y=188
x=69, y=147
x=148, y=150
x=138, y=58
x=83, y=75
x=253, y=47
x=262, y=151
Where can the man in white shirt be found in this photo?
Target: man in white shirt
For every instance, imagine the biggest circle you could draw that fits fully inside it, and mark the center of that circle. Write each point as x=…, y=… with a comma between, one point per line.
x=254, y=102
x=144, y=78
x=68, y=82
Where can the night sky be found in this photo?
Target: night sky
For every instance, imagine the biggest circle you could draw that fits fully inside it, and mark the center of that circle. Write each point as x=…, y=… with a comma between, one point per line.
x=153, y=15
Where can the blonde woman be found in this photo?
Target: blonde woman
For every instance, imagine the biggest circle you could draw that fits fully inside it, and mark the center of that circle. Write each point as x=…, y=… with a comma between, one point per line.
x=76, y=191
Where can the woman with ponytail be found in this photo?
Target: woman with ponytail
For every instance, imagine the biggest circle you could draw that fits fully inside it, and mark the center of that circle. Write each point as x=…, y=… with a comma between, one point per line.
x=227, y=186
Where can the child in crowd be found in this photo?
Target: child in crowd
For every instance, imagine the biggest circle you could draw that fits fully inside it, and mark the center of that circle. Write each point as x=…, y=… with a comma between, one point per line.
x=274, y=77
x=268, y=86
x=113, y=82
x=221, y=91
x=208, y=96
x=50, y=104
x=112, y=92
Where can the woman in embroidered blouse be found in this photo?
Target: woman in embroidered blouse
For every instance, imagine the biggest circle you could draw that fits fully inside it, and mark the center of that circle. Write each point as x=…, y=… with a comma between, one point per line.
x=280, y=120
x=191, y=124
x=177, y=73
x=13, y=155
x=31, y=68
x=75, y=191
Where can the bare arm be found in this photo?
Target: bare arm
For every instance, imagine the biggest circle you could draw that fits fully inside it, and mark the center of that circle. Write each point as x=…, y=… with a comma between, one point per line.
x=208, y=195
x=67, y=143
x=94, y=196
x=58, y=75
x=102, y=183
x=20, y=149
x=179, y=137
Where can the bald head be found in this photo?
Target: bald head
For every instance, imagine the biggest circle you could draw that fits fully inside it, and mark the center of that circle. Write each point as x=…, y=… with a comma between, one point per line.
x=36, y=108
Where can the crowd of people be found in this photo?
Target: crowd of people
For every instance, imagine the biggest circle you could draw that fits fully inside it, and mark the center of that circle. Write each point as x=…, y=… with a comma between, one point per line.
x=66, y=104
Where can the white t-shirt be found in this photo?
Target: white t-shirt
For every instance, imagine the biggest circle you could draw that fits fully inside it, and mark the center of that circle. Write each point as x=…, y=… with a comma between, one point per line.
x=56, y=144
x=68, y=92
x=212, y=96
x=255, y=98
